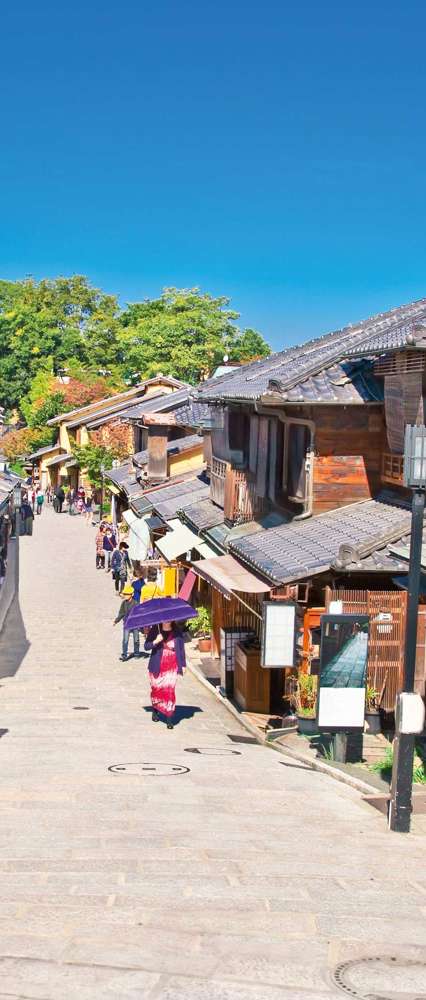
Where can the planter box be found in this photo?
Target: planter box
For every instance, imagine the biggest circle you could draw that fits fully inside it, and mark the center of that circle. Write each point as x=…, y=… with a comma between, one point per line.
x=373, y=722
x=306, y=725
x=205, y=645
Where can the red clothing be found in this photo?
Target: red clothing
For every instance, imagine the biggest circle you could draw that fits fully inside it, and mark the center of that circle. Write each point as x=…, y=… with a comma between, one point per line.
x=163, y=687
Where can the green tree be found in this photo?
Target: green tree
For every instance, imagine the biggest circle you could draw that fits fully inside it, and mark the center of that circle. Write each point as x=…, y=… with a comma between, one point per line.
x=185, y=333
x=249, y=346
x=53, y=319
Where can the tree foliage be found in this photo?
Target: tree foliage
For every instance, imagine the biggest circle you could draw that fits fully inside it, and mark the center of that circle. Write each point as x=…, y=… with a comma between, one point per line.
x=66, y=323
x=104, y=446
x=25, y=440
x=185, y=333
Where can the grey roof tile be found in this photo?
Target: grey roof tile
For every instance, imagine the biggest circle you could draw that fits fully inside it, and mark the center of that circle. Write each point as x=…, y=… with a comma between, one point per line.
x=203, y=514
x=304, y=548
x=294, y=366
x=170, y=499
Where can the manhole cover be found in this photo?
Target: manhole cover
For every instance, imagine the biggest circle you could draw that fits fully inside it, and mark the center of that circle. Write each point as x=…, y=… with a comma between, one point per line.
x=149, y=769
x=382, y=977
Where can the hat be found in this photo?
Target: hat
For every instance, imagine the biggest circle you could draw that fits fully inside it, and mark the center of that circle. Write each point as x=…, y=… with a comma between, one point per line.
x=127, y=590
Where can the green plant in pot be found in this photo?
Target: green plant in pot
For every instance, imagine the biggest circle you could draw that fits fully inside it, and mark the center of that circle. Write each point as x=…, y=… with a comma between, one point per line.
x=201, y=628
x=305, y=702
x=372, y=715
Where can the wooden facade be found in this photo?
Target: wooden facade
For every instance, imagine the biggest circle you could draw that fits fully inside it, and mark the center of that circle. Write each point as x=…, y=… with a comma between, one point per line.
x=348, y=448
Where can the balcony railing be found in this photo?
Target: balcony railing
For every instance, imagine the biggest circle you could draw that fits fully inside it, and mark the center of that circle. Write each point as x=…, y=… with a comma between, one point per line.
x=392, y=469
x=234, y=490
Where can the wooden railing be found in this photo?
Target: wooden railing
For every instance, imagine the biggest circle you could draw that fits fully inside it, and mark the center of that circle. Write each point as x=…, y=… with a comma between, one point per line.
x=234, y=490
x=392, y=468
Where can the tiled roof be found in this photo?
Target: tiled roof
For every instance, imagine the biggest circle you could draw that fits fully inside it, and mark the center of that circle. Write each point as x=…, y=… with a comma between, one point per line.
x=42, y=451
x=177, y=447
x=288, y=369
x=194, y=414
x=115, y=400
x=170, y=499
x=341, y=538
x=163, y=404
x=117, y=411
x=203, y=514
x=407, y=335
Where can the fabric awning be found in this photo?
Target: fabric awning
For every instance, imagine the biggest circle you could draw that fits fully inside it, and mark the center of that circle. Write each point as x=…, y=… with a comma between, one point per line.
x=179, y=540
x=139, y=537
x=227, y=575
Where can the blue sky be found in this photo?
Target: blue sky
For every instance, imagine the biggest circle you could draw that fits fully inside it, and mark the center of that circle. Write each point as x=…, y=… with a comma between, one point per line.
x=273, y=152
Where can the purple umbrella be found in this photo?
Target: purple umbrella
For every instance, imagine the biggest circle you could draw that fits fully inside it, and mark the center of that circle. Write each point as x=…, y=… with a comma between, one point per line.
x=160, y=609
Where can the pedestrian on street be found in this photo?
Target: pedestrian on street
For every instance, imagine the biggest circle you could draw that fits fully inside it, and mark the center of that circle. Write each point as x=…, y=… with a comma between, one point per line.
x=167, y=660
x=126, y=606
x=27, y=518
x=33, y=498
x=120, y=564
x=109, y=544
x=88, y=508
x=60, y=497
x=138, y=583
x=39, y=500
x=48, y=493
x=99, y=542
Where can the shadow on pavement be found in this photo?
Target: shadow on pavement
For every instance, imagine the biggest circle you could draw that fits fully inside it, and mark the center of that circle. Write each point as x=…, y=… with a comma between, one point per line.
x=181, y=712
x=14, y=644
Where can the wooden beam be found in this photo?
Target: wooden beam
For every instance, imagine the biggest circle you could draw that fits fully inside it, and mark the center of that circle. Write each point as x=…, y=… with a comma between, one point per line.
x=157, y=452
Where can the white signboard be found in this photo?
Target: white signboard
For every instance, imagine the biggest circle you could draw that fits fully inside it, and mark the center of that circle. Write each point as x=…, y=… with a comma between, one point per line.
x=344, y=654
x=278, y=634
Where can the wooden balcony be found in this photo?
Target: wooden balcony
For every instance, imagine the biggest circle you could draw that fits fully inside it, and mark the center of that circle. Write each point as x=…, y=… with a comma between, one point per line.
x=234, y=490
x=392, y=469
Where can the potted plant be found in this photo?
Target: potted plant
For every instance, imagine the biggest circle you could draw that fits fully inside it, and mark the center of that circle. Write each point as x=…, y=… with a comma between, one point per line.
x=305, y=702
x=201, y=629
x=372, y=714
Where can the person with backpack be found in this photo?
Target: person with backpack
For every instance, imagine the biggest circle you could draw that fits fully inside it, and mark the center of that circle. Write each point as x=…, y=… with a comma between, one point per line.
x=39, y=500
x=126, y=606
x=120, y=563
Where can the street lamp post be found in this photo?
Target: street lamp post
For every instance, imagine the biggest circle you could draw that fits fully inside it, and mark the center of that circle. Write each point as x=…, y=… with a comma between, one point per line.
x=400, y=806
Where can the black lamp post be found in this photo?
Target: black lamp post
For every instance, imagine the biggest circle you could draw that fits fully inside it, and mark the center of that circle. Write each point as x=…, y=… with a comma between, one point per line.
x=400, y=807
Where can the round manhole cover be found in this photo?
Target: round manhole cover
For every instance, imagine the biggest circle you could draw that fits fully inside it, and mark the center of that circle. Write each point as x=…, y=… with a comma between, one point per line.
x=148, y=769
x=383, y=977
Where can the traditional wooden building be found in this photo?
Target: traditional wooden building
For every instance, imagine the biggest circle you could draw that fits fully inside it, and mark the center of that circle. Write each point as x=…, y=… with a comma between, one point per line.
x=306, y=488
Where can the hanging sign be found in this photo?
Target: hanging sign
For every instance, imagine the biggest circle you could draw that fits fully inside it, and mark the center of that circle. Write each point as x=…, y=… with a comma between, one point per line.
x=343, y=671
x=278, y=634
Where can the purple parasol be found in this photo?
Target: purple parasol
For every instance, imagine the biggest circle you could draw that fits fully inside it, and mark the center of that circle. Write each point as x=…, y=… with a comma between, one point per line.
x=160, y=609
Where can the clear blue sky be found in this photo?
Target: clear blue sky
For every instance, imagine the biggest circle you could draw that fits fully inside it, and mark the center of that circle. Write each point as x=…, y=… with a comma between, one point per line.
x=273, y=152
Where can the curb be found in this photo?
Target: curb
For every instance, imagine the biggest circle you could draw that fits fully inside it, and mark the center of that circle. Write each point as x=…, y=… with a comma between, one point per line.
x=314, y=765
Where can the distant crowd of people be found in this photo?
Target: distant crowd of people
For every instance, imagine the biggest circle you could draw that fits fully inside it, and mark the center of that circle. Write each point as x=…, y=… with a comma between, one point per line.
x=164, y=643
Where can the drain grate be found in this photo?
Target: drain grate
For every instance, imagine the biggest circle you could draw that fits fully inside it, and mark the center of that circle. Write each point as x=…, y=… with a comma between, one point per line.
x=382, y=977
x=80, y=708
x=243, y=739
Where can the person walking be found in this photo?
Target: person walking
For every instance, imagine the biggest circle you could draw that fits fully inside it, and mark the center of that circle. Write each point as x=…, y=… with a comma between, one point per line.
x=27, y=518
x=126, y=606
x=60, y=497
x=167, y=661
x=138, y=583
x=120, y=563
x=109, y=544
x=88, y=508
x=99, y=543
x=39, y=500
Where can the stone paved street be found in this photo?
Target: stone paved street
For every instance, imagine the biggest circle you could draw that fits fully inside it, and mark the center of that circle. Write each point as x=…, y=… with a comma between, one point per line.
x=247, y=877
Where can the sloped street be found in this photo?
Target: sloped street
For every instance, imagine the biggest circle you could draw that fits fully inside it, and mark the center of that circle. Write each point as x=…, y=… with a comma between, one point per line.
x=141, y=863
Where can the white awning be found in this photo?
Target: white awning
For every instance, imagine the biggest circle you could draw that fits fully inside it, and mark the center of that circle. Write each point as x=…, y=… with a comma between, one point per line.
x=139, y=537
x=181, y=539
x=227, y=575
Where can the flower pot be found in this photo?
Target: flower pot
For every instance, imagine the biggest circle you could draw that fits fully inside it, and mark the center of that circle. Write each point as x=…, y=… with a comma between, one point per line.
x=307, y=725
x=372, y=718
x=205, y=644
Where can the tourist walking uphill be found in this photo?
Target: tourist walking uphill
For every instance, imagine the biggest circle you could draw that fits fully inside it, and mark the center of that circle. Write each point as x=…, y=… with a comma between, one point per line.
x=167, y=660
x=126, y=606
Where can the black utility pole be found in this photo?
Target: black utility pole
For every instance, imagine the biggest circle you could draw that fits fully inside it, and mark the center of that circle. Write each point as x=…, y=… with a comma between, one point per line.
x=400, y=807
